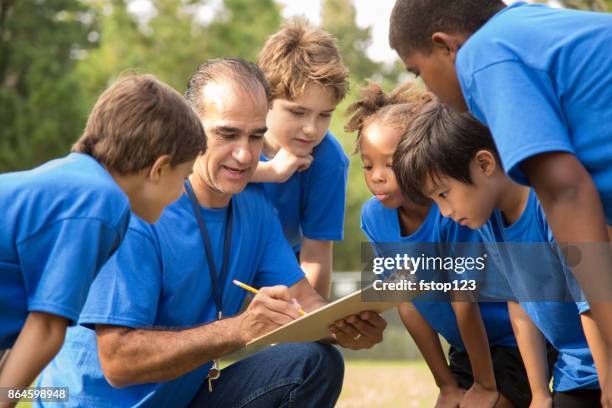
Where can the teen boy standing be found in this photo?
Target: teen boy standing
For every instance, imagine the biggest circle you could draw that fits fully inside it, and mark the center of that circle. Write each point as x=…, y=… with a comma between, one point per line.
x=541, y=80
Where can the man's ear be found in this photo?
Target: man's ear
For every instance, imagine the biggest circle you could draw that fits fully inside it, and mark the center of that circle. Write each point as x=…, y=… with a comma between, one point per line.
x=486, y=162
x=159, y=168
x=449, y=43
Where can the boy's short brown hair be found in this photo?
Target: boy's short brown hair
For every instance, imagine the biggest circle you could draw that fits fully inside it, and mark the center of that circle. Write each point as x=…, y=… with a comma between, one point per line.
x=137, y=120
x=298, y=55
x=440, y=142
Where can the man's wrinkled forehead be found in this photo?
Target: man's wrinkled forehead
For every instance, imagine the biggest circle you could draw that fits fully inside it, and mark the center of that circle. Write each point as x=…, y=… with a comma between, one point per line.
x=228, y=104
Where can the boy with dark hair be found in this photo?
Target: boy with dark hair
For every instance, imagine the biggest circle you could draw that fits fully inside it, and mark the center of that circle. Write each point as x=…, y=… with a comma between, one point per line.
x=307, y=80
x=381, y=121
x=64, y=219
x=451, y=158
x=540, y=78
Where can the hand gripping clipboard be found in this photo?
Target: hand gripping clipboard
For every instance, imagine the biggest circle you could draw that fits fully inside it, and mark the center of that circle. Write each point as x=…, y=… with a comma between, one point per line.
x=314, y=326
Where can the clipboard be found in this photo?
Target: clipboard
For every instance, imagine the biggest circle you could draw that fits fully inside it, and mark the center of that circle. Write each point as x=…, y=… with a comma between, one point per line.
x=314, y=325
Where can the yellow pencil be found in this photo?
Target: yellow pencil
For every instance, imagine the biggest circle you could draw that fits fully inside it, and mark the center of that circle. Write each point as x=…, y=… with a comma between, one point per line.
x=254, y=291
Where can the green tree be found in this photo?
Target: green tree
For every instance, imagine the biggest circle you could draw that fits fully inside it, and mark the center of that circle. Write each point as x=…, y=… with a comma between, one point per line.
x=347, y=253
x=170, y=45
x=593, y=5
x=174, y=41
x=241, y=28
x=40, y=100
x=338, y=17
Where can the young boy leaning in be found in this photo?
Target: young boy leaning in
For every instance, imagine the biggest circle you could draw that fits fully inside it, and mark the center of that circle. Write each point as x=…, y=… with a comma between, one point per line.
x=541, y=79
x=451, y=158
x=307, y=79
x=381, y=121
x=64, y=219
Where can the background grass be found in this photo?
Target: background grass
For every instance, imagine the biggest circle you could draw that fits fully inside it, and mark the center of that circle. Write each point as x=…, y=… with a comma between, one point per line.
x=380, y=384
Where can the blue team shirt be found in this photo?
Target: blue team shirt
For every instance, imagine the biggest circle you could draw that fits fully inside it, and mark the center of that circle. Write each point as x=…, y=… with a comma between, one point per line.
x=559, y=322
x=159, y=278
x=381, y=224
x=311, y=203
x=541, y=79
x=61, y=222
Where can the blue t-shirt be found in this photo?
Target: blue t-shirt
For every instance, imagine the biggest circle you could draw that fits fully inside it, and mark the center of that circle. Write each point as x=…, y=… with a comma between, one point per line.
x=558, y=321
x=61, y=222
x=311, y=203
x=541, y=79
x=381, y=224
x=159, y=278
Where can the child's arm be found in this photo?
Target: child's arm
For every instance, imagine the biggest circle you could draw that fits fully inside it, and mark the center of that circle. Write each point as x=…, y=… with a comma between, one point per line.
x=38, y=342
x=532, y=346
x=428, y=342
x=281, y=167
x=596, y=344
x=316, y=262
x=575, y=214
x=484, y=391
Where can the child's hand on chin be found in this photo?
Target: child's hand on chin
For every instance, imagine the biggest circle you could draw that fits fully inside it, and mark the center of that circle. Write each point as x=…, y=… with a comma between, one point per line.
x=285, y=164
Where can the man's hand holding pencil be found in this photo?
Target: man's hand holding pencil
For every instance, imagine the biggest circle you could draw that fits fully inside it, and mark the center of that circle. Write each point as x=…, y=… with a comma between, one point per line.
x=272, y=307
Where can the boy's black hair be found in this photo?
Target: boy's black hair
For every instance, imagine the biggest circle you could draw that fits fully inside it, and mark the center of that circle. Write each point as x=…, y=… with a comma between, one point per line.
x=413, y=22
x=440, y=142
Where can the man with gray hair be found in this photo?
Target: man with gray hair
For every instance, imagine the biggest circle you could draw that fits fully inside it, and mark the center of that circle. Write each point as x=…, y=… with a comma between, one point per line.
x=162, y=323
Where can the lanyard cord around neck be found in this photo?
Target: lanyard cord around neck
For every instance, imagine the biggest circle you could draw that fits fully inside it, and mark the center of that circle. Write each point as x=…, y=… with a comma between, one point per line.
x=217, y=281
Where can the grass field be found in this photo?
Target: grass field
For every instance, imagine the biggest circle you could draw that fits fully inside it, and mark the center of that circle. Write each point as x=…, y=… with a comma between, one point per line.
x=387, y=384
x=381, y=384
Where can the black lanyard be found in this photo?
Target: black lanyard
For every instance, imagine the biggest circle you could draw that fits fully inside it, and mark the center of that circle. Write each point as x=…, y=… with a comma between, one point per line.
x=217, y=289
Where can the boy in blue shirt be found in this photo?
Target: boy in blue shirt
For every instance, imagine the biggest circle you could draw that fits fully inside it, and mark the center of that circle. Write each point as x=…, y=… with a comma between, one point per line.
x=381, y=121
x=307, y=80
x=64, y=219
x=452, y=159
x=541, y=79
x=164, y=307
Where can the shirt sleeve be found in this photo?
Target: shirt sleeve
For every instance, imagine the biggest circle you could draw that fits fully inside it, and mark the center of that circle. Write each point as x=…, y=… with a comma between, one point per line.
x=521, y=107
x=325, y=200
x=60, y=262
x=279, y=265
x=127, y=289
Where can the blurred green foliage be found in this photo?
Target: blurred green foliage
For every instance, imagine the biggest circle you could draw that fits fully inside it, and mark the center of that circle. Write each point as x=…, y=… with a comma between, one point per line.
x=56, y=56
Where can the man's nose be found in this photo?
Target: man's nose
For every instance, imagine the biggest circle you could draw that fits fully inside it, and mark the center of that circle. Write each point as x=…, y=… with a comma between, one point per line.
x=242, y=154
